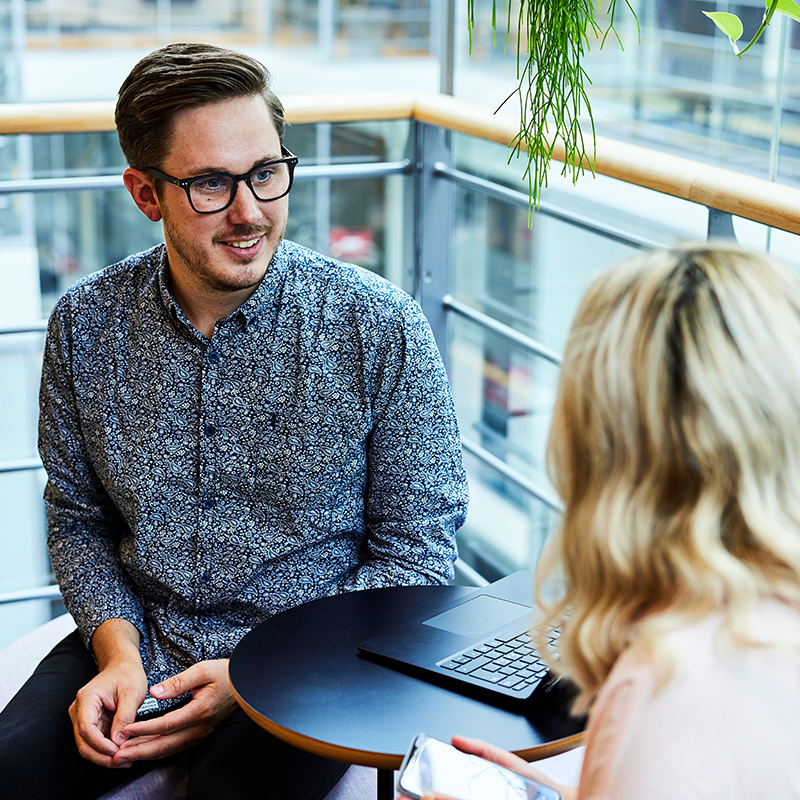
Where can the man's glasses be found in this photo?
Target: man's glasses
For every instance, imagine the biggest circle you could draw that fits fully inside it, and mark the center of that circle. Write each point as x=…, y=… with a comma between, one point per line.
x=209, y=194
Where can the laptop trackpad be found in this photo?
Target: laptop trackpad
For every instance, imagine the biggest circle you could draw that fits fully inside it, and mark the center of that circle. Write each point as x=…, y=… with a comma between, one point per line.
x=478, y=616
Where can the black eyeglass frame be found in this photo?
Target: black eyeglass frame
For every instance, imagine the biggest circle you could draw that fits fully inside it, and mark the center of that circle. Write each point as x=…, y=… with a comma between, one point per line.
x=185, y=183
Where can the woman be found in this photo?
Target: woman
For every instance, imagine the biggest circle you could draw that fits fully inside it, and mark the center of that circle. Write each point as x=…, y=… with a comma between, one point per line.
x=675, y=446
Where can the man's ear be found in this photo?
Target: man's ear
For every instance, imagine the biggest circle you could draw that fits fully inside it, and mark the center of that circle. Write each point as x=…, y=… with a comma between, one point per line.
x=141, y=187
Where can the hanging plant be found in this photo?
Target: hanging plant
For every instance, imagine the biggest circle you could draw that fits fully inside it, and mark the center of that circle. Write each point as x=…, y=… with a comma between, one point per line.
x=732, y=26
x=553, y=36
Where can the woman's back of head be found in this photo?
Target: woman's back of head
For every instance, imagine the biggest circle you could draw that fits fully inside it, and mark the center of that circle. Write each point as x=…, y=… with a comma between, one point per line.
x=675, y=446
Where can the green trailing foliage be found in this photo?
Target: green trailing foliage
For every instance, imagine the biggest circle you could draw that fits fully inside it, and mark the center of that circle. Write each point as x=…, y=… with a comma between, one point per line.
x=553, y=36
x=732, y=26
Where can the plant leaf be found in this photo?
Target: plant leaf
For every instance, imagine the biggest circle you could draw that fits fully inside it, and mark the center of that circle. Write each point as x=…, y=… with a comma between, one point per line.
x=729, y=24
x=788, y=7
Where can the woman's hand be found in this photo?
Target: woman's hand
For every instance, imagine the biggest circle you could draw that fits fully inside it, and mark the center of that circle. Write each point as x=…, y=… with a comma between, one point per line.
x=505, y=759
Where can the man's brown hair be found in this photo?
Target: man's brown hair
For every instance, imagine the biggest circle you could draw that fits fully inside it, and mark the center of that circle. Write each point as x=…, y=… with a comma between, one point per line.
x=178, y=76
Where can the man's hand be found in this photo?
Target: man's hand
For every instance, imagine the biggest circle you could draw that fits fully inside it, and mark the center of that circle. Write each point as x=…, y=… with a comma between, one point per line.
x=212, y=701
x=109, y=701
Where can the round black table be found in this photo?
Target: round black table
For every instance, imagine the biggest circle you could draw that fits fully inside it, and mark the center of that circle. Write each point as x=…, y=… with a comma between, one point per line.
x=300, y=677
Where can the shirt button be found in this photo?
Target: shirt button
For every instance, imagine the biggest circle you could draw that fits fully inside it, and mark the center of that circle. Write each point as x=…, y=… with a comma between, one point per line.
x=204, y=620
x=209, y=430
x=213, y=356
x=208, y=503
x=205, y=577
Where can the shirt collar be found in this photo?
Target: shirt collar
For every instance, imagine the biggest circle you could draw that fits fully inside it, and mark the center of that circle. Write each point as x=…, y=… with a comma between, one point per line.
x=254, y=307
x=170, y=304
x=263, y=298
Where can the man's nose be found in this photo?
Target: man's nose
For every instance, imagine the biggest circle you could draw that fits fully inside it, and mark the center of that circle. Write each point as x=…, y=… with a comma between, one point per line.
x=245, y=207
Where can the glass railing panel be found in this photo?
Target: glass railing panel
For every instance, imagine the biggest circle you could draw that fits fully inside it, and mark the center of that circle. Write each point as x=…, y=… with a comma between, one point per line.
x=361, y=226
x=348, y=142
x=360, y=221
x=78, y=233
x=61, y=155
x=504, y=398
x=69, y=234
x=20, y=366
x=506, y=528
x=530, y=279
x=24, y=562
x=781, y=244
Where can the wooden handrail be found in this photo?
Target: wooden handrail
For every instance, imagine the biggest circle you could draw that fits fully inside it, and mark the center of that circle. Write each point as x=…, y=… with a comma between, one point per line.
x=766, y=202
x=77, y=117
x=754, y=198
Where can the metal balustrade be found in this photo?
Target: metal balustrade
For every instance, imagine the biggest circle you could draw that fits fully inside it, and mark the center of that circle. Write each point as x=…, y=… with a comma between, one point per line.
x=431, y=180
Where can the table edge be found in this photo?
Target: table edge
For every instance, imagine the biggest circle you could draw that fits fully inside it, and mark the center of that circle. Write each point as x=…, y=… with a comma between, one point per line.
x=387, y=761
x=365, y=758
x=554, y=748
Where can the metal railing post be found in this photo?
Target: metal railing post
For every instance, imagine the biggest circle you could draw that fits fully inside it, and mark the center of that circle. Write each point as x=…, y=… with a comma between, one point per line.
x=433, y=228
x=447, y=21
x=720, y=225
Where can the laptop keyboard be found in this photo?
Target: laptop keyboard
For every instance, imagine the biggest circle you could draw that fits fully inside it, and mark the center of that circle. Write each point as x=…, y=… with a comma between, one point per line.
x=511, y=663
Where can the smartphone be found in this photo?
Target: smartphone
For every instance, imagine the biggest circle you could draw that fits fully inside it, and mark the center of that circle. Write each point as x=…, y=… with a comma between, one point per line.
x=431, y=765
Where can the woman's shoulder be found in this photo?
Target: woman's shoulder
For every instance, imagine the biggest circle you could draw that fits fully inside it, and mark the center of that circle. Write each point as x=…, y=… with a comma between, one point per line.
x=686, y=654
x=720, y=715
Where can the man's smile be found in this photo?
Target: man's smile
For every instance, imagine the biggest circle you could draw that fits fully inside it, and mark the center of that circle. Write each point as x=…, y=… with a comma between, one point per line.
x=243, y=237
x=242, y=245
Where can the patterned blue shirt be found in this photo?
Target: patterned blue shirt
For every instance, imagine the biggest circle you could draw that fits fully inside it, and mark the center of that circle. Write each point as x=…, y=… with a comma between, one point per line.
x=197, y=487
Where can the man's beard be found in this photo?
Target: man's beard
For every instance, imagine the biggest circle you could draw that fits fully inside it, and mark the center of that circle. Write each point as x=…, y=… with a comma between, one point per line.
x=198, y=261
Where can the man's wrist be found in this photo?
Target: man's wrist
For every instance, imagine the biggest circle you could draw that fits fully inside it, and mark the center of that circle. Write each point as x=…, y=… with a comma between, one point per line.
x=116, y=641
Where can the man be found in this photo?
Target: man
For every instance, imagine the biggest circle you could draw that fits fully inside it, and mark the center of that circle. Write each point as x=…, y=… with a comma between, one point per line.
x=231, y=425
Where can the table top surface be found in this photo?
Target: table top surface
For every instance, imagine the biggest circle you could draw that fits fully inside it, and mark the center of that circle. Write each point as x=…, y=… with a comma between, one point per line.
x=299, y=676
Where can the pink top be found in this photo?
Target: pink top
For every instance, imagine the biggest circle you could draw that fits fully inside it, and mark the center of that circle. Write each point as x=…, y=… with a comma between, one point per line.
x=727, y=726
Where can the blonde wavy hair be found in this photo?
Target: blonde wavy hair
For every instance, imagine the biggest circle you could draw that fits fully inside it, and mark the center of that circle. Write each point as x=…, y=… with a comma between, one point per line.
x=675, y=445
